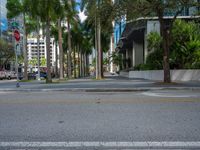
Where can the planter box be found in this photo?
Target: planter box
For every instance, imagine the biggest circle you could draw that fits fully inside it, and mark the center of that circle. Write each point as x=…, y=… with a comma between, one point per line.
x=176, y=75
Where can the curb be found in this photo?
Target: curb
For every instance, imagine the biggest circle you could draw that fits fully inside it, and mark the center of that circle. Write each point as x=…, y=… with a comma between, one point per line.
x=142, y=89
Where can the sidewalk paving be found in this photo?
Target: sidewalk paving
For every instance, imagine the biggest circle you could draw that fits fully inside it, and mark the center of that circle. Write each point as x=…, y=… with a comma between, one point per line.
x=109, y=84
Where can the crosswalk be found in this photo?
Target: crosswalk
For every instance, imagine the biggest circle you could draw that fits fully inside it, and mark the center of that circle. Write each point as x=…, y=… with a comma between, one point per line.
x=99, y=145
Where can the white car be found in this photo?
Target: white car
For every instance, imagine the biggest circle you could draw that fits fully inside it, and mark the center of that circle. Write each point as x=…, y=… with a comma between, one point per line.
x=8, y=75
x=2, y=75
x=11, y=75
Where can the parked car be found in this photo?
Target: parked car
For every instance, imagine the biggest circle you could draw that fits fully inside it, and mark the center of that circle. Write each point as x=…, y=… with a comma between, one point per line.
x=34, y=76
x=43, y=75
x=7, y=75
x=31, y=76
x=10, y=75
x=2, y=75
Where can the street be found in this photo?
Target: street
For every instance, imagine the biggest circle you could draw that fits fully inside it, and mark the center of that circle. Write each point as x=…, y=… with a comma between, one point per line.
x=64, y=116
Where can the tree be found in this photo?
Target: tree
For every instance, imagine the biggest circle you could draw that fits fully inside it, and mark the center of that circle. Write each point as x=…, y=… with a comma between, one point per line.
x=6, y=53
x=100, y=15
x=70, y=13
x=43, y=62
x=148, y=8
x=47, y=15
x=15, y=8
x=184, y=47
x=33, y=61
x=59, y=35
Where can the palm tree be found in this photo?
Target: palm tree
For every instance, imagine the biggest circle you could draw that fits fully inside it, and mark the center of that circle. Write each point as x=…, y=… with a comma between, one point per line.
x=70, y=13
x=99, y=14
x=48, y=14
x=60, y=16
x=34, y=12
x=15, y=8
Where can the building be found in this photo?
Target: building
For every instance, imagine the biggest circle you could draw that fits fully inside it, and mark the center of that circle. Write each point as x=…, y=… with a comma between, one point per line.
x=3, y=18
x=132, y=43
x=33, y=52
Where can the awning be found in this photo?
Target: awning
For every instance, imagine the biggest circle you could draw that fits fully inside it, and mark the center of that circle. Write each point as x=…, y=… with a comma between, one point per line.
x=133, y=31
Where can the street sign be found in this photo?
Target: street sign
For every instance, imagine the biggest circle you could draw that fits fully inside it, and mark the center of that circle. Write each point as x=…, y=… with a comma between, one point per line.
x=17, y=35
x=15, y=25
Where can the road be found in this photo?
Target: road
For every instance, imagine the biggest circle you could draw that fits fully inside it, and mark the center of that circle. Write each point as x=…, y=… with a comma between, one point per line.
x=108, y=83
x=84, y=120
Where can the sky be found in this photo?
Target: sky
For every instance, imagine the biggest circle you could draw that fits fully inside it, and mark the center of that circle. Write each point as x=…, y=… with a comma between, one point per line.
x=81, y=14
x=3, y=20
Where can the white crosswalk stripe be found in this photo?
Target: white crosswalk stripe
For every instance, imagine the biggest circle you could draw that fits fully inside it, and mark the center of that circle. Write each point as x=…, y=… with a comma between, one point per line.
x=99, y=145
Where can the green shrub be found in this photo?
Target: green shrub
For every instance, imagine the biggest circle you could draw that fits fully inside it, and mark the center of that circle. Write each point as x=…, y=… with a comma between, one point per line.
x=184, y=48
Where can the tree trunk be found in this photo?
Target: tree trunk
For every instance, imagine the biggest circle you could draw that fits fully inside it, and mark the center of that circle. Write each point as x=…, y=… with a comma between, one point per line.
x=69, y=51
x=79, y=72
x=96, y=49
x=74, y=55
x=38, y=47
x=25, y=50
x=60, y=49
x=83, y=66
x=99, y=75
x=48, y=80
x=87, y=65
x=56, y=65
x=84, y=63
x=165, y=46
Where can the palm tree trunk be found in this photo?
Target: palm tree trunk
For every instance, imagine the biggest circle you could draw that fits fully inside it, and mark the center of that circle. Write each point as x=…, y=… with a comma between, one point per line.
x=86, y=63
x=79, y=72
x=56, y=65
x=82, y=71
x=96, y=48
x=60, y=49
x=69, y=51
x=38, y=47
x=48, y=80
x=25, y=50
x=99, y=75
x=74, y=55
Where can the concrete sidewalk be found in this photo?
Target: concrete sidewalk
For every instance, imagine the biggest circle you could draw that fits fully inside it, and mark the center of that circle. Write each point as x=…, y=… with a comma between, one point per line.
x=109, y=84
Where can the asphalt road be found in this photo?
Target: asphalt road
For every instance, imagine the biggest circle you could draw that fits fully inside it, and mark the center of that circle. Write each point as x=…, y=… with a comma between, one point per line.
x=153, y=116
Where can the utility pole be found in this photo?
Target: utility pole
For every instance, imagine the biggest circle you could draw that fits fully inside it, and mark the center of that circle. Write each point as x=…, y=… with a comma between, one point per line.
x=16, y=64
x=17, y=51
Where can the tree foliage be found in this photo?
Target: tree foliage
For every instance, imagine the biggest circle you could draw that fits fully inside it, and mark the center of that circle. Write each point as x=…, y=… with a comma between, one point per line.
x=7, y=52
x=157, y=8
x=185, y=48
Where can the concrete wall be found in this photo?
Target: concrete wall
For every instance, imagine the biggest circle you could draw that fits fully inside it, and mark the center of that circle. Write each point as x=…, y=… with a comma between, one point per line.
x=176, y=75
x=138, y=51
x=124, y=74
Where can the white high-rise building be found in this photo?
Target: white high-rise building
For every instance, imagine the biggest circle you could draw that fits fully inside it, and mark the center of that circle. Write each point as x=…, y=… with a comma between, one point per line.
x=32, y=50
